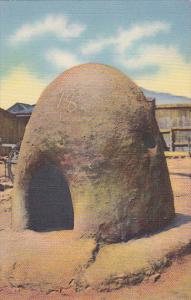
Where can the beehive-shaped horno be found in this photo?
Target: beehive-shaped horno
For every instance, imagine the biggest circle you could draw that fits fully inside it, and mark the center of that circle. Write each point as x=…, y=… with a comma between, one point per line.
x=91, y=159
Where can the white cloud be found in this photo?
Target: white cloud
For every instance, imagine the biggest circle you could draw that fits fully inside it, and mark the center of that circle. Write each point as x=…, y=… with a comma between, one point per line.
x=125, y=38
x=62, y=59
x=58, y=25
x=173, y=74
x=152, y=55
x=96, y=46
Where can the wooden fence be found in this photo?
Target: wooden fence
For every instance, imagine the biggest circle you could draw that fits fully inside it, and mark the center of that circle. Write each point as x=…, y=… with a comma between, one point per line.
x=175, y=125
x=174, y=144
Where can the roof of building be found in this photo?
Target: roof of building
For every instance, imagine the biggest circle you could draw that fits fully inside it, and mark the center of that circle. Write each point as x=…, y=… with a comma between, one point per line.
x=174, y=106
x=21, y=109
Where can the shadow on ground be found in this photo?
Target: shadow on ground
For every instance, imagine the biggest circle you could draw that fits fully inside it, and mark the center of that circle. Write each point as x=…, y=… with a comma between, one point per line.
x=181, y=174
x=179, y=220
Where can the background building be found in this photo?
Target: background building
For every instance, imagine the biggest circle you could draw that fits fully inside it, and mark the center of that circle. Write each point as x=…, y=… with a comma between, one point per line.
x=174, y=121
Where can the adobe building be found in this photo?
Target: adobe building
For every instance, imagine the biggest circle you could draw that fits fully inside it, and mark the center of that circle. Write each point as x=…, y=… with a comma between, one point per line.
x=91, y=160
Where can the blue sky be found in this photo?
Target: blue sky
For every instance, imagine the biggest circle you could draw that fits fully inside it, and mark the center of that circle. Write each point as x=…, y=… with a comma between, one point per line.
x=147, y=39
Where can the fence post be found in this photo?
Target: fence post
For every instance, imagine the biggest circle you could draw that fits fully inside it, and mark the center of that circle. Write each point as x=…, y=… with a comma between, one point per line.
x=172, y=147
x=189, y=146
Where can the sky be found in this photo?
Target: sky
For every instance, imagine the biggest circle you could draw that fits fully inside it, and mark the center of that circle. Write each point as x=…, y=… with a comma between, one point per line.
x=148, y=40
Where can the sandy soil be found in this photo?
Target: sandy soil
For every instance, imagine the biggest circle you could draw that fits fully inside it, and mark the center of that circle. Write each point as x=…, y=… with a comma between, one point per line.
x=174, y=283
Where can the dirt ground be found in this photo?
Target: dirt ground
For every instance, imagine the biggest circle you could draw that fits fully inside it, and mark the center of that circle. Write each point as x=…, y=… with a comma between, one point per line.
x=173, y=283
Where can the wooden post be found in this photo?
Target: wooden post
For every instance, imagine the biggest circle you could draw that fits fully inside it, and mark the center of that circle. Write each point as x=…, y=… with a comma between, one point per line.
x=172, y=147
x=189, y=146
